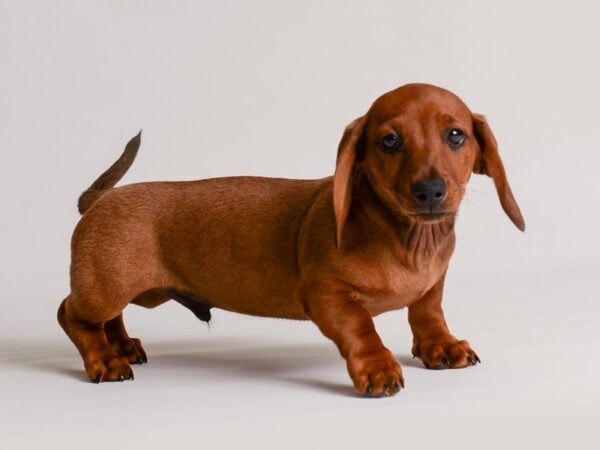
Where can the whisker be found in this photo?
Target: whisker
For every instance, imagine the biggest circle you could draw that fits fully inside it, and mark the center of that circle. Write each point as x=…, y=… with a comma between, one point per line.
x=474, y=196
x=479, y=191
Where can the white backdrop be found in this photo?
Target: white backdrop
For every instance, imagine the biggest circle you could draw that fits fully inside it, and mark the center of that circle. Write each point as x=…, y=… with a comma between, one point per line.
x=266, y=88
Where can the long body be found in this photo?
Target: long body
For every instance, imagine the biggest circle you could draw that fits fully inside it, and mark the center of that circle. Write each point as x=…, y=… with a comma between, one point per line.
x=248, y=232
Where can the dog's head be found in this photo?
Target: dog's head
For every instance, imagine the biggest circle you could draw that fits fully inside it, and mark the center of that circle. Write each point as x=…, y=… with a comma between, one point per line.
x=417, y=147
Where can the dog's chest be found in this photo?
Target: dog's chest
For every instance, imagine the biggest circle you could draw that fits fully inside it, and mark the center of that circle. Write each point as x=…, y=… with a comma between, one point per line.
x=394, y=283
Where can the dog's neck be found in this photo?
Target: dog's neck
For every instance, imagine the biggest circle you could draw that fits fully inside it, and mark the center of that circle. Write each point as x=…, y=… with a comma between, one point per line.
x=378, y=214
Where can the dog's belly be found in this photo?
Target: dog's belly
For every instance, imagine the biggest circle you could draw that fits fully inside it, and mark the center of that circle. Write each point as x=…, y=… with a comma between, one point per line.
x=263, y=301
x=258, y=284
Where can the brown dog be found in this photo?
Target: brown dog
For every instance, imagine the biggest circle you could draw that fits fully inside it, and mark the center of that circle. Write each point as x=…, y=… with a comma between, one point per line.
x=376, y=237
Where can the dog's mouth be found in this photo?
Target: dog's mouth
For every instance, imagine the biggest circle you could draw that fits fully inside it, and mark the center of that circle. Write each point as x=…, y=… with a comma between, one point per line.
x=431, y=215
x=423, y=214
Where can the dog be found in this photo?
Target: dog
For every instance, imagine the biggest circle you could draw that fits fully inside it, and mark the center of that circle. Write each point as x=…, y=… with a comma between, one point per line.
x=375, y=237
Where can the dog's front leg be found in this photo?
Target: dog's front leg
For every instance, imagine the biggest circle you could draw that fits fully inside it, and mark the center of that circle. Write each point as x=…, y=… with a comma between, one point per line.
x=372, y=367
x=432, y=340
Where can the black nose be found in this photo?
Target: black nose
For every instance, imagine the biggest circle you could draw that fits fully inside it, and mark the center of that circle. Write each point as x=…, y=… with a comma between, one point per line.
x=429, y=192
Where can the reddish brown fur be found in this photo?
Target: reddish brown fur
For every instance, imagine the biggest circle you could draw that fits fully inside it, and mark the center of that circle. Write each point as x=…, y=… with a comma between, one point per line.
x=336, y=251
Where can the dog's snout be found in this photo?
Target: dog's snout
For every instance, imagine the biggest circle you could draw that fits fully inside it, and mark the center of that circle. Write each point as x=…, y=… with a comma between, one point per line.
x=429, y=192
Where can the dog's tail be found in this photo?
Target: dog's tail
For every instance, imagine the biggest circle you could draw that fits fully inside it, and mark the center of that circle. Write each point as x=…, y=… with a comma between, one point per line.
x=111, y=176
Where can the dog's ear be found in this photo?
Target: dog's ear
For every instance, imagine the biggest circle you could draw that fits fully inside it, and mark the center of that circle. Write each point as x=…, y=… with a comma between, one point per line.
x=488, y=163
x=342, y=180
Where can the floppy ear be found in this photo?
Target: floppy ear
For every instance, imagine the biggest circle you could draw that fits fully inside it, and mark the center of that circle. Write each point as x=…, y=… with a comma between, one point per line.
x=342, y=179
x=488, y=163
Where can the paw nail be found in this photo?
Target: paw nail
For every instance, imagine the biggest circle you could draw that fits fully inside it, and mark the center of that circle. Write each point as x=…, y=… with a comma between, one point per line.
x=121, y=378
x=97, y=379
x=477, y=359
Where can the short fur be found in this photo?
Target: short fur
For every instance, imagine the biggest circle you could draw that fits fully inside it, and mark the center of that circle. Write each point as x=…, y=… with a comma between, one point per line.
x=336, y=251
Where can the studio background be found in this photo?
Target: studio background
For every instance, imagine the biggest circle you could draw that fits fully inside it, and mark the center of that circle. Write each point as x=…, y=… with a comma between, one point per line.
x=266, y=88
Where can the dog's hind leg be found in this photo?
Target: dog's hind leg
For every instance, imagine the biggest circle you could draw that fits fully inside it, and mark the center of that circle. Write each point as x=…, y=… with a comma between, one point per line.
x=101, y=362
x=122, y=344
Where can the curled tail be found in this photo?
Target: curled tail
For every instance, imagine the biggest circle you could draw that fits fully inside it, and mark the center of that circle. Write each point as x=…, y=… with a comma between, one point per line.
x=111, y=176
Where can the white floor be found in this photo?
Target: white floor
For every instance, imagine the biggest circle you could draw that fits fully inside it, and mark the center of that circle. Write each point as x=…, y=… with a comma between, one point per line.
x=248, y=382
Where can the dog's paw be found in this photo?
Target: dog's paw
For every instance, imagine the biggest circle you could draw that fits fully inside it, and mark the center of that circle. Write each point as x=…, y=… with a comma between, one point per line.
x=444, y=352
x=131, y=349
x=108, y=367
x=376, y=375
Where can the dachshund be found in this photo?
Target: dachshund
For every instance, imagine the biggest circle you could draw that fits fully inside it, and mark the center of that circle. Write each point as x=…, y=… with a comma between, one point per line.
x=375, y=237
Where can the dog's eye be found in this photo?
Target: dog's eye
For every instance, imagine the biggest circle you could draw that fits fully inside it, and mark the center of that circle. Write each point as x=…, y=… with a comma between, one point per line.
x=390, y=143
x=455, y=137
